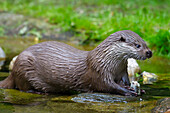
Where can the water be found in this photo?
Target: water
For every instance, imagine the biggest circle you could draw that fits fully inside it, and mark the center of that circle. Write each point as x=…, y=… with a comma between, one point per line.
x=12, y=100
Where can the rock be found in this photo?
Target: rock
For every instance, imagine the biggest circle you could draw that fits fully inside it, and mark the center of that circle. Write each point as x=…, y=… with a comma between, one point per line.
x=2, y=53
x=149, y=78
x=163, y=106
x=12, y=63
x=136, y=86
x=103, y=97
x=133, y=68
x=2, y=57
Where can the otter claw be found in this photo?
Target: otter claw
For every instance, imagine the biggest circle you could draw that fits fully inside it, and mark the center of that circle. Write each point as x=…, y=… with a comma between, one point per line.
x=129, y=88
x=131, y=93
x=134, y=94
x=142, y=91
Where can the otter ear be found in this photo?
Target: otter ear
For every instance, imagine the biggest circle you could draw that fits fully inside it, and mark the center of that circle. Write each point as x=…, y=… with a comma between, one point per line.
x=122, y=39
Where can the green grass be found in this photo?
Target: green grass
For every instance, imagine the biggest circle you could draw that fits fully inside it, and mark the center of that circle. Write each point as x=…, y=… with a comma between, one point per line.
x=94, y=20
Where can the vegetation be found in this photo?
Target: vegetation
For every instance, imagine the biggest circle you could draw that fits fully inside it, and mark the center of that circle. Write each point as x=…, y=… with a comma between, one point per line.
x=94, y=20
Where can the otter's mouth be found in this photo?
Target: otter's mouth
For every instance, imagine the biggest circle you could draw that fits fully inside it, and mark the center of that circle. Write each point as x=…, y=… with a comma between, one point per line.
x=143, y=57
x=140, y=58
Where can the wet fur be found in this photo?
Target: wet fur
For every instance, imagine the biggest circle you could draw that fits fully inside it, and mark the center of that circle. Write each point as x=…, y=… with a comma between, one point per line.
x=57, y=67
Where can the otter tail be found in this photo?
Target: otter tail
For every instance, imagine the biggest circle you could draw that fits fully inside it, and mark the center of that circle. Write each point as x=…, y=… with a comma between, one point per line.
x=8, y=83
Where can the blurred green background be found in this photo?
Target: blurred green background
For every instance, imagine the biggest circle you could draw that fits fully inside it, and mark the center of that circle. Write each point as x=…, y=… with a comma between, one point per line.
x=94, y=20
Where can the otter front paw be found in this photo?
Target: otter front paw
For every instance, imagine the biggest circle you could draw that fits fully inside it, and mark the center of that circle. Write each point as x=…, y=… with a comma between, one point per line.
x=133, y=90
x=131, y=93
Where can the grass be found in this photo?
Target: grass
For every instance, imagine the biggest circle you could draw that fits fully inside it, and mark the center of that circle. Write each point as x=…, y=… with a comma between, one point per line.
x=94, y=20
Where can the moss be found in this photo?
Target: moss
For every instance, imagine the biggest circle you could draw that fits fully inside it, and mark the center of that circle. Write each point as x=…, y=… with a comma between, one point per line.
x=17, y=97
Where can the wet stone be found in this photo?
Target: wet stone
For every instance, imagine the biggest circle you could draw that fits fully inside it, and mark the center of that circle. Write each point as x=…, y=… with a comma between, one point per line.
x=163, y=106
x=100, y=97
x=2, y=57
x=149, y=78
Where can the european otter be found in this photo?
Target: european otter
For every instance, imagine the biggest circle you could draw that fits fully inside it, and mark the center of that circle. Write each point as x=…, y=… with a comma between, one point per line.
x=57, y=67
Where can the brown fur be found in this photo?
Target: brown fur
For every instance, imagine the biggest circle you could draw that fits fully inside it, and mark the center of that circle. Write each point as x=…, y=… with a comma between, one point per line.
x=57, y=67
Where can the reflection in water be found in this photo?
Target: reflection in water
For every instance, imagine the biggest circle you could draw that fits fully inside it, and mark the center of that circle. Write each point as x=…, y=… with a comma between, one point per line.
x=83, y=103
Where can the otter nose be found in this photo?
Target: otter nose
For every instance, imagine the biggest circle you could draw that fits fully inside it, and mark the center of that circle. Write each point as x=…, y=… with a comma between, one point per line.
x=149, y=54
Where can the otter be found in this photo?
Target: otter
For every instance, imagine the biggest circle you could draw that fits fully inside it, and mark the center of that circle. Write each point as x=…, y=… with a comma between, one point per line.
x=55, y=67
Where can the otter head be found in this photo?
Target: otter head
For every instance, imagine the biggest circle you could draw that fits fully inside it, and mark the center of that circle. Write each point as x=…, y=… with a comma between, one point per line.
x=130, y=45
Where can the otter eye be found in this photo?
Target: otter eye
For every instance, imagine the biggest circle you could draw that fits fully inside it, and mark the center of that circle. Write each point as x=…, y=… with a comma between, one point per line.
x=137, y=45
x=122, y=39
